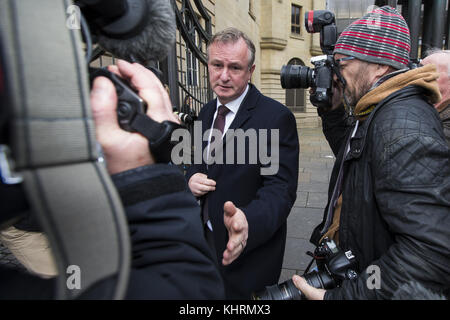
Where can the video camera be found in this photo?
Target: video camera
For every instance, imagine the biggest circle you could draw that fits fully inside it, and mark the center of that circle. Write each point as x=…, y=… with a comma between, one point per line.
x=320, y=78
x=333, y=266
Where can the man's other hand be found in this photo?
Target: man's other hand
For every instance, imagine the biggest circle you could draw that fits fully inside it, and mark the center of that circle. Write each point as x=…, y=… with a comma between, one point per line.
x=201, y=185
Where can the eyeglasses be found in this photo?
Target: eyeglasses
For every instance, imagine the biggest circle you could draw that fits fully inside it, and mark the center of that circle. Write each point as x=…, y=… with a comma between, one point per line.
x=338, y=61
x=337, y=66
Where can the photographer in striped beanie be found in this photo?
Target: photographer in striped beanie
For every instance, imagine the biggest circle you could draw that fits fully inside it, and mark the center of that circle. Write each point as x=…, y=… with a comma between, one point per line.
x=388, y=198
x=379, y=43
x=380, y=37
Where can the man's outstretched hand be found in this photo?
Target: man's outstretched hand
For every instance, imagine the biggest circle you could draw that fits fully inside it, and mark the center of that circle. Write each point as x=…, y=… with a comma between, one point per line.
x=237, y=226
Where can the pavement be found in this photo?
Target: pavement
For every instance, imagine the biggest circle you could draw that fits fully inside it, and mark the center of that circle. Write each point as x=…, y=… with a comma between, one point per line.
x=315, y=162
x=315, y=165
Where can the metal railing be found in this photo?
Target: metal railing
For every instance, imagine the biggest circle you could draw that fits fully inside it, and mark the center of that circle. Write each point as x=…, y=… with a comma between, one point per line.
x=187, y=63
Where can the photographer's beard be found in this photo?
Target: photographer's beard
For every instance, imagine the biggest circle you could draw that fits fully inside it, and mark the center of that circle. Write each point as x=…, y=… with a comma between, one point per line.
x=357, y=87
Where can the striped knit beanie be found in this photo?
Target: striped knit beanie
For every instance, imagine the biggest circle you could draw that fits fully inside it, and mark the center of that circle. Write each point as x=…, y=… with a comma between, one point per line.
x=381, y=36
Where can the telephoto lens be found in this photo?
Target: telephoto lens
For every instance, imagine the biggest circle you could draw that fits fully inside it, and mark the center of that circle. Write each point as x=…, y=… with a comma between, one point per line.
x=283, y=291
x=333, y=266
x=288, y=291
x=295, y=76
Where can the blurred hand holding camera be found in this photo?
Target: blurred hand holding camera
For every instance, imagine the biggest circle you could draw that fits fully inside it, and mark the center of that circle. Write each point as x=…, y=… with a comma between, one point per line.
x=124, y=150
x=336, y=98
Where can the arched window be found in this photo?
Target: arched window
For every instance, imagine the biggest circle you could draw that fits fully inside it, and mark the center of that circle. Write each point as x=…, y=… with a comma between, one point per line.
x=295, y=98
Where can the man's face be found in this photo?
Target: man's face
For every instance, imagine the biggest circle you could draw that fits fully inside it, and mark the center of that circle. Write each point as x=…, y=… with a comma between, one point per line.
x=355, y=72
x=442, y=63
x=228, y=69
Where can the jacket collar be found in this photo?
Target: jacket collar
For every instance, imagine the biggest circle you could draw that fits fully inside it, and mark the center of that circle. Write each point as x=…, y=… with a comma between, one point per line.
x=424, y=77
x=245, y=110
x=234, y=105
x=358, y=142
x=247, y=104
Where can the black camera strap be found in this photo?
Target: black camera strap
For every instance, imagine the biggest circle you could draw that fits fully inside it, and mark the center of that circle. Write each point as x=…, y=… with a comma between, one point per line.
x=158, y=134
x=309, y=253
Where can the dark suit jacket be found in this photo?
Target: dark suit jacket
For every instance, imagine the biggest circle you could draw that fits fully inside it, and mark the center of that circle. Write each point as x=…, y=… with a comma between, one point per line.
x=265, y=199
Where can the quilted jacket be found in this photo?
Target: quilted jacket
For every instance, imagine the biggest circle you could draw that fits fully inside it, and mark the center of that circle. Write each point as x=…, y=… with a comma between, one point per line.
x=395, y=215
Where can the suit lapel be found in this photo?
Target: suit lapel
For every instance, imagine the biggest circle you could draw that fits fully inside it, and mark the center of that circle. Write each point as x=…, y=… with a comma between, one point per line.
x=210, y=108
x=245, y=110
x=207, y=119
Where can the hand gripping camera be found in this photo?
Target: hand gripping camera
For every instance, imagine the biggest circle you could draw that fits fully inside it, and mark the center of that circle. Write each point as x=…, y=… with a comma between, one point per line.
x=131, y=115
x=333, y=266
x=320, y=78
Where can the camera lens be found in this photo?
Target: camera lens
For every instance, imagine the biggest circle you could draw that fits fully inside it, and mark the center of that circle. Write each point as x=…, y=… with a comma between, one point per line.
x=288, y=291
x=295, y=76
x=319, y=280
x=283, y=291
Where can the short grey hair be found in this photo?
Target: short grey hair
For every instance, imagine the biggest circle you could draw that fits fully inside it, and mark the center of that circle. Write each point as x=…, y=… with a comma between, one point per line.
x=433, y=51
x=233, y=35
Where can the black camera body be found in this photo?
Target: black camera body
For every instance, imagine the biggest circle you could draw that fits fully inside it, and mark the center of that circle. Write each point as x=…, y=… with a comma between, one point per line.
x=320, y=78
x=129, y=103
x=333, y=264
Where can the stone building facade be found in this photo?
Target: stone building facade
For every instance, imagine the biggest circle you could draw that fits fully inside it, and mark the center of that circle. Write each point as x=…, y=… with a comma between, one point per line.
x=277, y=29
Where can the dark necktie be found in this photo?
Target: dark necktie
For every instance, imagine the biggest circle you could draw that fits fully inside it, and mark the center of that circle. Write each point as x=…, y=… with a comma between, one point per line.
x=219, y=124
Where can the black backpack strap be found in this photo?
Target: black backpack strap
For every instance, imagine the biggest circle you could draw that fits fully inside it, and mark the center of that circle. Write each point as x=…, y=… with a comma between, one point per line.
x=54, y=147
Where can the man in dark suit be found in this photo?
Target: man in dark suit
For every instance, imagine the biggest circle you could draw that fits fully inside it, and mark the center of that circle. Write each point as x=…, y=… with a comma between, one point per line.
x=245, y=198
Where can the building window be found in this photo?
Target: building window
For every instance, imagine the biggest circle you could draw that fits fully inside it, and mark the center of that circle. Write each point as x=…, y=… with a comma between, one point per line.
x=192, y=72
x=295, y=98
x=296, y=13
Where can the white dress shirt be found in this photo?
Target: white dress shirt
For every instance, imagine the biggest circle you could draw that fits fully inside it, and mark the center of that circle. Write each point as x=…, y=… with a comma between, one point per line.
x=233, y=106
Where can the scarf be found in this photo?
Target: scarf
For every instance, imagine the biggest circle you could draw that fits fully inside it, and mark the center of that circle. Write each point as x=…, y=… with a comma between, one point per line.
x=424, y=77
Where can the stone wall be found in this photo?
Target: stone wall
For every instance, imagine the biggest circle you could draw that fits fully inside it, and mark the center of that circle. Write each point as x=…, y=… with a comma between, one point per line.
x=268, y=24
